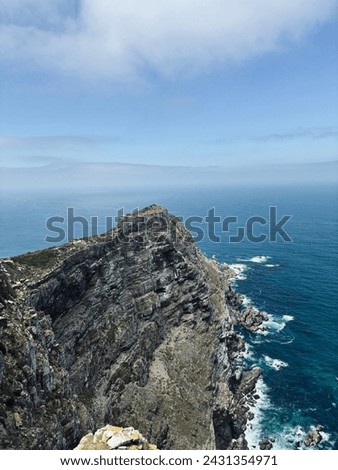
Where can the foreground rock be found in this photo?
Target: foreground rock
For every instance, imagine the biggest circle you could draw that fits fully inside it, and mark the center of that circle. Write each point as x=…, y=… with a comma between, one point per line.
x=115, y=438
x=135, y=326
x=252, y=319
x=266, y=444
x=314, y=436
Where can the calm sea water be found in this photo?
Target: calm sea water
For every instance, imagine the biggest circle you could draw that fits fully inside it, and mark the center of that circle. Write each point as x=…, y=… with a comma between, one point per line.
x=295, y=282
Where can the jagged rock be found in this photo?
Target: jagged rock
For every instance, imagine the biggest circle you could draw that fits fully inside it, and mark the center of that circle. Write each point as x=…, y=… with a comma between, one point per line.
x=252, y=319
x=115, y=438
x=248, y=381
x=250, y=415
x=6, y=289
x=314, y=436
x=266, y=444
x=134, y=326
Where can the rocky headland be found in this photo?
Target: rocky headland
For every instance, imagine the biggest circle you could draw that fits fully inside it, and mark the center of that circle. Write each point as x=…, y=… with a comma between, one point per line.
x=115, y=438
x=132, y=328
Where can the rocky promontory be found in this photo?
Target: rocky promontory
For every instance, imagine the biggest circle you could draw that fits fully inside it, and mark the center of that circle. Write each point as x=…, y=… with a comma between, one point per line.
x=115, y=438
x=135, y=327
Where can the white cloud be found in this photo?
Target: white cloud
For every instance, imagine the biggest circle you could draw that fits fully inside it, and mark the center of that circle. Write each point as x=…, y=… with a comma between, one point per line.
x=48, y=141
x=302, y=133
x=118, y=38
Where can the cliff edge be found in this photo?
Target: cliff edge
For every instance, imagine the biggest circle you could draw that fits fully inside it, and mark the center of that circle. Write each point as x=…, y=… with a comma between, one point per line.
x=135, y=327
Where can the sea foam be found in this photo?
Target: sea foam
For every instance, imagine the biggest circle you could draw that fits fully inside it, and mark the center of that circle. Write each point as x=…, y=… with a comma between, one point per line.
x=260, y=259
x=253, y=433
x=288, y=317
x=239, y=270
x=275, y=364
x=246, y=301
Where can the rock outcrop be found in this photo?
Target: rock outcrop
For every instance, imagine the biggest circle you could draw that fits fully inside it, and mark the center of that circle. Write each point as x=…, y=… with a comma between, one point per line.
x=314, y=436
x=135, y=327
x=266, y=443
x=115, y=438
x=252, y=319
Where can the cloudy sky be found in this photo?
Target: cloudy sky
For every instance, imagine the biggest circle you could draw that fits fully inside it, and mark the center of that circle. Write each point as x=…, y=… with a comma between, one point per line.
x=231, y=83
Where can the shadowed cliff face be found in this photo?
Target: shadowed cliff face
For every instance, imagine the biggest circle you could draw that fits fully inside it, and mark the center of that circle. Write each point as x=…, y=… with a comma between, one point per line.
x=133, y=328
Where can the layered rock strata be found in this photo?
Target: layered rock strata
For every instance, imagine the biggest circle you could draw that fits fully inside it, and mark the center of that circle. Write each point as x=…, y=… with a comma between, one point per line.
x=135, y=327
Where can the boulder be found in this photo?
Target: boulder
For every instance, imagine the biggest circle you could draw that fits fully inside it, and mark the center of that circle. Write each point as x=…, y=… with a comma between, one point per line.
x=115, y=438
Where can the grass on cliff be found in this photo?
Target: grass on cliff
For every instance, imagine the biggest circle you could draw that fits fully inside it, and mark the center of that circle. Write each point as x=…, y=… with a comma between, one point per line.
x=38, y=259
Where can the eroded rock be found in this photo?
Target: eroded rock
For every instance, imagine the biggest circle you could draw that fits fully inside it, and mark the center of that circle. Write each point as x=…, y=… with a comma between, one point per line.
x=252, y=319
x=115, y=438
x=134, y=326
x=314, y=436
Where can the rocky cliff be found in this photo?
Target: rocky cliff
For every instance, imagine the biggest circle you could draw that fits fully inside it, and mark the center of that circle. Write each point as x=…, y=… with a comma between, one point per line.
x=135, y=327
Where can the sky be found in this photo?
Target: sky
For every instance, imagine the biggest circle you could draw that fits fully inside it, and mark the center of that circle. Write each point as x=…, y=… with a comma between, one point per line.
x=220, y=83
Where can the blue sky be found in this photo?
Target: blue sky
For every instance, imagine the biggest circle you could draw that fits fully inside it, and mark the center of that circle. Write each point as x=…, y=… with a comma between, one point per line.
x=225, y=83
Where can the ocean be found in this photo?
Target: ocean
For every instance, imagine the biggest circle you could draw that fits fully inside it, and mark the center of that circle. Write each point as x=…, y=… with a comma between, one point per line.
x=294, y=280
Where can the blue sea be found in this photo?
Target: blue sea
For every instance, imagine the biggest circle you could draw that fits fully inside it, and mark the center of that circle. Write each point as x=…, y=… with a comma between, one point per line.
x=294, y=281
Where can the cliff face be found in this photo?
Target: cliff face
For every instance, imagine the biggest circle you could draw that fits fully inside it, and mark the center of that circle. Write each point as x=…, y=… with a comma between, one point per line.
x=134, y=328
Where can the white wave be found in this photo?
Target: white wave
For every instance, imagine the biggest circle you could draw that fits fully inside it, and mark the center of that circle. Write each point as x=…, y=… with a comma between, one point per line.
x=275, y=364
x=260, y=259
x=272, y=331
x=286, y=340
x=248, y=354
x=293, y=437
x=257, y=339
x=238, y=267
x=262, y=332
x=326, y=437
x=273, y=325
x=246, y=301
x=239, y=270
x=253, y=432
x=288, y=317
x=290, y=438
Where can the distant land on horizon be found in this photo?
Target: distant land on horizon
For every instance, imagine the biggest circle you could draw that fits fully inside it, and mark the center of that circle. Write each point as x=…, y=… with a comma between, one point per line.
x=75, y=175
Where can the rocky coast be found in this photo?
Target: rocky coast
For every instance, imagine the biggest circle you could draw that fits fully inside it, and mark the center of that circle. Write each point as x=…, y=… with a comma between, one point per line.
x=135, y=328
